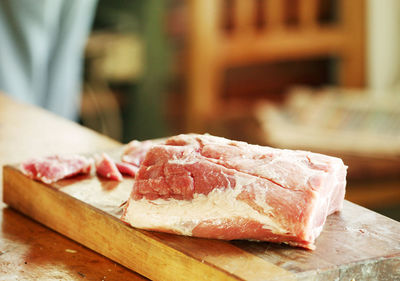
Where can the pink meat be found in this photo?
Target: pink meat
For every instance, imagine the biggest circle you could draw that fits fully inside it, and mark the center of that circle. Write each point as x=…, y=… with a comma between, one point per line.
x=127, y=168
x=135, y=151
x=106, y=168
x=211, y=187
x=53, y=168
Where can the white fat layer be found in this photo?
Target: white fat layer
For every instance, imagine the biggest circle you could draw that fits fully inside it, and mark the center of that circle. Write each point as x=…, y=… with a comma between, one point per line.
x=182, y=216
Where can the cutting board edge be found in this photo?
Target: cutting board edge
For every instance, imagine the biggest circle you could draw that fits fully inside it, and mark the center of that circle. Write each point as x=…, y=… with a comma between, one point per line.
x=186, y=266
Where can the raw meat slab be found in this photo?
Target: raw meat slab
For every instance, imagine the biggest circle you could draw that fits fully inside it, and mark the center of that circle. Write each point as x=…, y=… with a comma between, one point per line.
x=213, y=187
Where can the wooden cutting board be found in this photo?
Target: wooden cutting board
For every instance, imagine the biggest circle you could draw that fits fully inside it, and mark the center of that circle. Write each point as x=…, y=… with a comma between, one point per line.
x=356, y=244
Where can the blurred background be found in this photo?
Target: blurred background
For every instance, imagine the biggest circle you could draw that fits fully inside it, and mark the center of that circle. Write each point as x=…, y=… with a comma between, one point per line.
x=320, y=75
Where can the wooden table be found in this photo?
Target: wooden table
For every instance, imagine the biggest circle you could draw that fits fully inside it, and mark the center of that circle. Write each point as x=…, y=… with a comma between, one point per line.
x=29, y=250
x=355, y=244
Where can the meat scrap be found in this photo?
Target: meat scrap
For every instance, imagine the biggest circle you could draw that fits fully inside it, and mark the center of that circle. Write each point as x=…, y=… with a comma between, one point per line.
x=127, y=168
x=56, y=167
x=106, y=168
x=212, y=187
x=135, y=151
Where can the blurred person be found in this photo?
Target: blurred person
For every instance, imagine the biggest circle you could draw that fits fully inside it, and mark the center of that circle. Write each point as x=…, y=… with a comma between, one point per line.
x=41, y=50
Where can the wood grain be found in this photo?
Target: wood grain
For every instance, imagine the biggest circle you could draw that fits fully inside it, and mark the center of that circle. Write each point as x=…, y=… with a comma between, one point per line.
x=354, y=241
x=29, y=250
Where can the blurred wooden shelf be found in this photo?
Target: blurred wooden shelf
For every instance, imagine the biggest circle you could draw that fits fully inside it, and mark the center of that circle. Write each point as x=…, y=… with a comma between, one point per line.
x=225, y=34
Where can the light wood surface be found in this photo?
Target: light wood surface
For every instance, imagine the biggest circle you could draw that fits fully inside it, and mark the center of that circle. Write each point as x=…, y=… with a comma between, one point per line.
x=29, y=250
x=356, y=243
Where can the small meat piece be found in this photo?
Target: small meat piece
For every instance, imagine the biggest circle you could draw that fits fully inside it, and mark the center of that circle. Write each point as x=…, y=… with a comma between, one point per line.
x=56, y=167
x=106, y=168
x=127, y=168
x=135, y=151
x=212, y=187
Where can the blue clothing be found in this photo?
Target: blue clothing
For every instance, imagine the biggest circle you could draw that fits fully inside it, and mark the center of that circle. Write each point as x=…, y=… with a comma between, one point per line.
x=41, y=48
